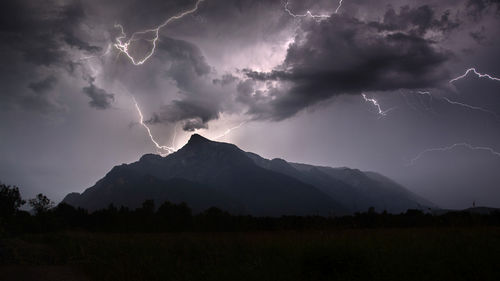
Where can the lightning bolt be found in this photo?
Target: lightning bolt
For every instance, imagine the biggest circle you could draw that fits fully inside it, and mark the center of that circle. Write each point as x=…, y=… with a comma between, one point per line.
x=309, y=14
x=230, y=129
x=429, y=106
x=453, y=146
x=175, y=135
x=159, y=147
x=467, y=106
x=480, y=75
x=123, y=46
x=425, y=93
x=338, y=7
x=472, y=107
x=377, y=105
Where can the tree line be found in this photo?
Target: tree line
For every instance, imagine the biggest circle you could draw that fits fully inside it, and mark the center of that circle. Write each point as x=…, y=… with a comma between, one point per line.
x=45, y=216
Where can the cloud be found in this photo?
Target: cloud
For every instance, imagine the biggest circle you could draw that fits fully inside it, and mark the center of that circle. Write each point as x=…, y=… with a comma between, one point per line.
x=226, y=79
x=99, y=98
x=35, y=29
x=43, y=85
x=416, y=20
x=185, y=54
x=191, y=125
x=39, y=42
x=336, y=56
x=187, y=109
x=344, y=55
x=40, y=97
x=201, y=99
x=477, y=8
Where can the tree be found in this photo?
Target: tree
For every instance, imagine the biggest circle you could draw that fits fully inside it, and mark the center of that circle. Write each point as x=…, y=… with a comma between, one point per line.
x=175, y=216
x=41, y=204
x=10, y=200
x=148, y=207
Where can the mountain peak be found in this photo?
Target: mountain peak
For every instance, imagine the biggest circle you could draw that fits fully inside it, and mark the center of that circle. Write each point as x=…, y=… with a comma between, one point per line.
x=197, y=139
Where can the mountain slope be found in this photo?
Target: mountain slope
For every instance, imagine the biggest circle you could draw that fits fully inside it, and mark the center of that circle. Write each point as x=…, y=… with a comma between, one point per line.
x=352, y=188
x=205, y=173
x=224, y=173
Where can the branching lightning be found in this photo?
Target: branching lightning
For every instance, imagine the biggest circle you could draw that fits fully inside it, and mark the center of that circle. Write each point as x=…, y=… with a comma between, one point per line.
x=468, y=106
x=453, y=146
x=377, y=105
x=425, y=93
x=229, y=130
x=461, y=104
x=338, y=7
x=472, y=107
x=162, y=149
x=480, y=75
x=309, y=14
x=123, y=46
x=429, y=106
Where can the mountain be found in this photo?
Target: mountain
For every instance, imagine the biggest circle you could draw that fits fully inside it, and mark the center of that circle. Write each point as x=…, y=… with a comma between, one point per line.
x=352, y=188
x=205, y=173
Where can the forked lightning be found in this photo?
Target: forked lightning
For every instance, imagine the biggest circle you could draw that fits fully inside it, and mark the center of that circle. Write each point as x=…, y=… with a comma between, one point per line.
x=123, y=46
x=162, y=149
x=473, y=70
x=453, y=146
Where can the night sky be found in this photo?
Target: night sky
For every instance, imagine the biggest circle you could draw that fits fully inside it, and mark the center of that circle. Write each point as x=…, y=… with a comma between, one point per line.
x=360, y=83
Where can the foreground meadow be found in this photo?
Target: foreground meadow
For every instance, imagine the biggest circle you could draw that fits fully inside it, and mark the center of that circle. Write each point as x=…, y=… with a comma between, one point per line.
x=350, y=254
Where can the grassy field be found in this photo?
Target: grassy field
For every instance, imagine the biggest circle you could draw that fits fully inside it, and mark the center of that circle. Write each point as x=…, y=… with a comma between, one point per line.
x=354, y=254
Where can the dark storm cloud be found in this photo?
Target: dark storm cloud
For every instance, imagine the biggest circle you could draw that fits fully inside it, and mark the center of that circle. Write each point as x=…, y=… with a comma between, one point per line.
x=99, y=98
x=37, y=29
x=343, y=55
x=74, y=41
x=188, y=68
x=477, y=8
x=479, y=36
x=226, y=79
x=136, y=15
x=417, y=21
x=191, y=125
x=185, y=55
x=43, y=85
x=37, y=42
x=187, y=109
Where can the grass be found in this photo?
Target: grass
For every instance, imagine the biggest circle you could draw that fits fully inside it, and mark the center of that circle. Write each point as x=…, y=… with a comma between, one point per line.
x=354, y=254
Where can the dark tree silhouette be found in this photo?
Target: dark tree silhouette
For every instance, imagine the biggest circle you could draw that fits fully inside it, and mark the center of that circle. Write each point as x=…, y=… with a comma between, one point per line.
x=41, y=204
x=10, y=200
x=148, y=207
x=176, y=216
